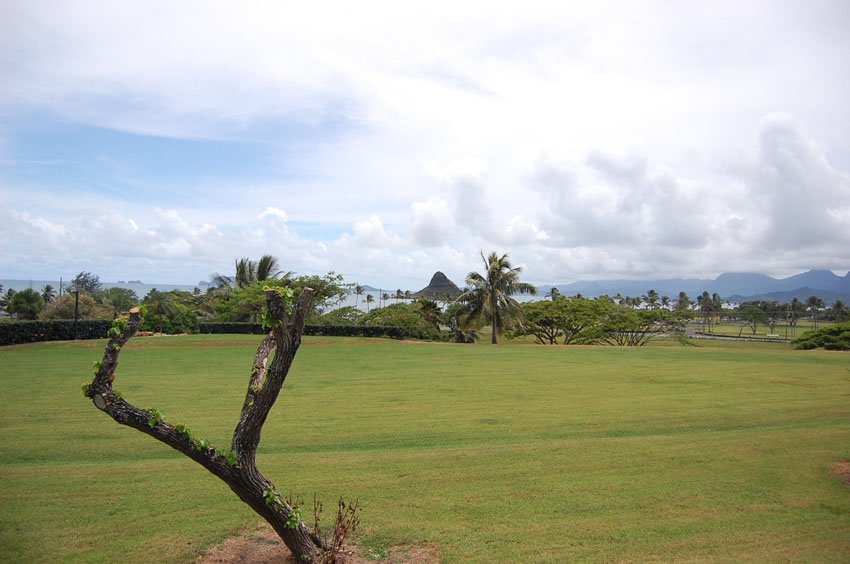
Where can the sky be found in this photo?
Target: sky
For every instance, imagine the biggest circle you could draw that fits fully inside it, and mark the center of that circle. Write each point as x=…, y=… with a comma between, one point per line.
x=163, y=140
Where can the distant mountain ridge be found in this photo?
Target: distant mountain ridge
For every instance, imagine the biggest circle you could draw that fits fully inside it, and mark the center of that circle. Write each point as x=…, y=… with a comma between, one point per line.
x=734, y=286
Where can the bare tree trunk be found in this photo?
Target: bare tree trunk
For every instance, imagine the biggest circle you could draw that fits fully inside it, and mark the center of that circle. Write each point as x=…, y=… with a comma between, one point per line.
x=237, y=466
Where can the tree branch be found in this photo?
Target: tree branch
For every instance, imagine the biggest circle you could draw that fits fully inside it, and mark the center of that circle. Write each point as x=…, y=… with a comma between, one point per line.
x=147, y=421
x=237, y=467
x=265, y=384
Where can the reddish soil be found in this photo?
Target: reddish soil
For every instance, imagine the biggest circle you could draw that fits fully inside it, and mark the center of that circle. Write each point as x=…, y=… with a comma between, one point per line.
x=263, y=546
x=841, y=470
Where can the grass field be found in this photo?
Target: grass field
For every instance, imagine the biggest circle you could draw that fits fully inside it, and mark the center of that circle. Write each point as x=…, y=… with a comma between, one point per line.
x=514, y=453
x=736, y=328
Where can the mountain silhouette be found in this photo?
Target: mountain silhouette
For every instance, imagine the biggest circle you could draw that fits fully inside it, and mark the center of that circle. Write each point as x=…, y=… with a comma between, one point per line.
x=439, y=287
x=734, y=285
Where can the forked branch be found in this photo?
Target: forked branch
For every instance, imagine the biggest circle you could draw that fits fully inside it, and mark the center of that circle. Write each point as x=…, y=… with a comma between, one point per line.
x=237, y=466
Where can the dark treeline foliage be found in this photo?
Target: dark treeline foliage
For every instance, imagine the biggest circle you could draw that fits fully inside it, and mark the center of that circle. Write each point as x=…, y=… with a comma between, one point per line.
x=486, y=302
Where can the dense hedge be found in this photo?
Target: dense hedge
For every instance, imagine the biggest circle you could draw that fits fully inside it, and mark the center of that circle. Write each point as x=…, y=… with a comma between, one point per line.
x=231, y=327
x=325, y=330
x=13, y=333
x=355, y=331
x=17, y=332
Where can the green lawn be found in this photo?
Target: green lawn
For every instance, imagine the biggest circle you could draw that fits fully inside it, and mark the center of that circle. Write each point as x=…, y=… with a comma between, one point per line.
x=515, y=453
x=782, y=329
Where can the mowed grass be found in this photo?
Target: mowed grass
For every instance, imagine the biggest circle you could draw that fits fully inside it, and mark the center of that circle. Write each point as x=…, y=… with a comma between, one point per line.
x=737, y=328
x=513, y=453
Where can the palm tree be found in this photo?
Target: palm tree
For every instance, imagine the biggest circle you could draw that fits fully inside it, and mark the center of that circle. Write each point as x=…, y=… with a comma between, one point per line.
x=369, y=300
x=266, y=268
x=683, y=302
x=795, y=308
x=48, y=294
x=6, y=299
x=489, y=295
x=455, y=319
x=651, y=299
x=358, y=291
x=706, y=306
x=218, y=280
x=248, y=271
x=554, y=293
x=446, y=299
x=839, y=311
x=398, y=295
x=430, y=311
x=161, y=304
x=717, y=305
x=814, y=303
x=245, y=272
x=386, y=297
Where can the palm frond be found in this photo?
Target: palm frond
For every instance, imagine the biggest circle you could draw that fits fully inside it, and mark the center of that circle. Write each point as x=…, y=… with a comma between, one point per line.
x=220, y=280
x=267, y=267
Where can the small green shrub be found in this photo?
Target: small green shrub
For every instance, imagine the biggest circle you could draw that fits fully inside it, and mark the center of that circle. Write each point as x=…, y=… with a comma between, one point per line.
x=832, y=338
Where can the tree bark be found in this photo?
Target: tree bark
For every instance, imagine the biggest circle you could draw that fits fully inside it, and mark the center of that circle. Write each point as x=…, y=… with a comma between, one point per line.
x=236, y=467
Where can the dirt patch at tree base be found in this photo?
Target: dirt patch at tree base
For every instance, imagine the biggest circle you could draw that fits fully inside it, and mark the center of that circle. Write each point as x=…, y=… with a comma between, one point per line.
x=263, y=546
x=841, y=470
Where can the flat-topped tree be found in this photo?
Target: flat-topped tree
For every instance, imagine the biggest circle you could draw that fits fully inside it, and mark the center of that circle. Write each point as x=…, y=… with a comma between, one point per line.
x=236, y=466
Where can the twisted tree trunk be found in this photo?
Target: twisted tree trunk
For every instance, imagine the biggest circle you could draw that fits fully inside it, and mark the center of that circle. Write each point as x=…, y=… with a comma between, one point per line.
x=237, y=466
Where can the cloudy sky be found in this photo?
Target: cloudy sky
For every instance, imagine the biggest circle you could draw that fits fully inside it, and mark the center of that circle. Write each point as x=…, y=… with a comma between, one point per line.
x=162, y=140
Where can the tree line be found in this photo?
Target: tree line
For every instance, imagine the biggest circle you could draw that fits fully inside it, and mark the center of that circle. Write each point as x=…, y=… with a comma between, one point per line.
x=488, y=300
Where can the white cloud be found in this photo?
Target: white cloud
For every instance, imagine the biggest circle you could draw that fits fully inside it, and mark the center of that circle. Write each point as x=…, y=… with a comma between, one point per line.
x=273, y=212
x=172, y=222
x=39, y=228
x=585, y=145
x=369, y=234
x=432, y=224
x=801, y=196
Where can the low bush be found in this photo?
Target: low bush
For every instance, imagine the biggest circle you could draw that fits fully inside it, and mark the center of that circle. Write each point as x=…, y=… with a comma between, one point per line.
x=409, y=318
x=833, y=338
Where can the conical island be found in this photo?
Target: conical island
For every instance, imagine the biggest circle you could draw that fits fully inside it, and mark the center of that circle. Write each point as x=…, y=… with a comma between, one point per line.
x=440, y=287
